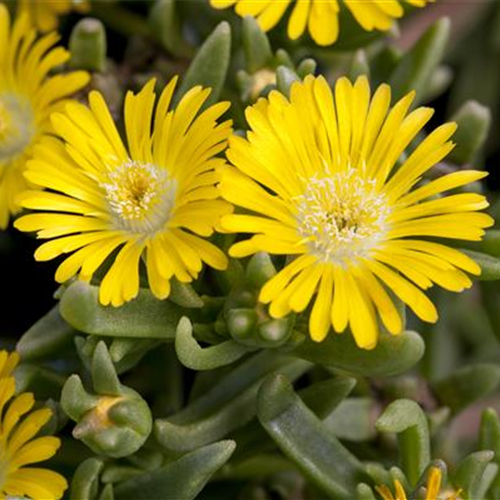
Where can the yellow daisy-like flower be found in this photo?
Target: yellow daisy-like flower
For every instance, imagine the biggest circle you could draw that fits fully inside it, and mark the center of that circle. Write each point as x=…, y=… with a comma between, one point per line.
x=328, y=180
x=27, y=98
x=432, y=490
x=156, y=199
x=19, y=448
x=44, y=14
x=320, y=17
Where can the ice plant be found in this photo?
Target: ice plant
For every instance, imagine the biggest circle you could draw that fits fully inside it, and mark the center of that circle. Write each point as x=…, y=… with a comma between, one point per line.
x=432, y=490
x=328, y=182
x=27, y=98
x=18, y=448
x=320, y=17
x=44, y=14
x=156, y=199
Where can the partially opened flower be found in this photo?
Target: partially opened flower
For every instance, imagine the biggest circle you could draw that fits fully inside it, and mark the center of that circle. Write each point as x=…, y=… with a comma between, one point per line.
x=28, y=95
x=156, y=198
x=432, y=490
x=330, y=180
x=320, y=17
x=20, y=448
x=44, y=14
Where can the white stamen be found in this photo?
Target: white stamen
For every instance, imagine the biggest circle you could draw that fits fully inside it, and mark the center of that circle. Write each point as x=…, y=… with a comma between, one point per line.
x=342, y=216
x=140, y=196
x=17, y=126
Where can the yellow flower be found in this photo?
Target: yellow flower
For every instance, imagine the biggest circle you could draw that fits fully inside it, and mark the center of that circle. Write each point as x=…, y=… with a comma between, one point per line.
x=18, y=448
x=44, y=14
x=27, y=98
x=328, y=181
x=432, y=490
x=320, y=17
x=154, y=199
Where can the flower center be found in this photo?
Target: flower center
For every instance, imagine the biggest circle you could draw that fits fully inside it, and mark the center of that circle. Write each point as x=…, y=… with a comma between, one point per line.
x=140, y=196
x=342, y=217
x=17, y=126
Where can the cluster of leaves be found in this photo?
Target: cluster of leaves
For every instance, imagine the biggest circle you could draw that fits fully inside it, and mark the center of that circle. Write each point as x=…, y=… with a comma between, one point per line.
x=204, y=395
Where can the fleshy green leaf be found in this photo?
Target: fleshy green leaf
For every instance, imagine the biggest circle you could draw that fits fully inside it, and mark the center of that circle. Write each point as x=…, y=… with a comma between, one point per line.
x=166, y=26
x=325, y=396
x=489, y=437
x=85, y=482
x=75, y=400
x=48, y=336
x=184, y=295
x=418, y=64
x=144, y=317
x=210, y=65
x=405, y=418
x=393, y=354
x=256, y=45
x=193, y=356
x=44, y=382
x=182, y=479
x=474, y=121
x=467, y=385
x=490, y=266
x=107, y=493
x=304, y=439
x=228, y=405
x=364, y=492
x=103, y=372
x=353, y=420
x=469, y=475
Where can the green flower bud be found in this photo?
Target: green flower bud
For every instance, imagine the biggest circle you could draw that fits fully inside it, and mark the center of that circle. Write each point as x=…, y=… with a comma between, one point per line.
x=277, y=331
x=241, y=322
x=115, y=421
x=307, y=67
x=260, y=269
x=88, y=45
x=115, y=426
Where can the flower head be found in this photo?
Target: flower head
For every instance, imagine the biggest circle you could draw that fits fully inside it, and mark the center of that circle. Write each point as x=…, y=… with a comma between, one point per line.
x=27, y=98
x=320, y=17
x=156, y=199
x=18, y=446
x=44, y=14
x=328, y=182
x=432, y=490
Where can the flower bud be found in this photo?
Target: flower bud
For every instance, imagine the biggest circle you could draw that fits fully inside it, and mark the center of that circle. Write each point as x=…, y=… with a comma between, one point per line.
x=88, y=45
x=115, y=421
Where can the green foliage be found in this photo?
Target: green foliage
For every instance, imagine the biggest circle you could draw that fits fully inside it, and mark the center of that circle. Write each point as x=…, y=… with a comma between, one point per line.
x=205, y=395
x=302, y=437
x=210, y=65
